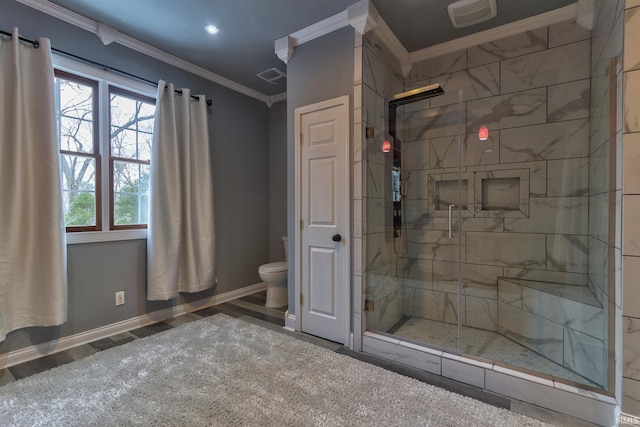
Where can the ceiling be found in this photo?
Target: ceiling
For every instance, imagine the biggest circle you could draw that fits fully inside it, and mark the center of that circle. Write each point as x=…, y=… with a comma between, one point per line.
x=248, y=28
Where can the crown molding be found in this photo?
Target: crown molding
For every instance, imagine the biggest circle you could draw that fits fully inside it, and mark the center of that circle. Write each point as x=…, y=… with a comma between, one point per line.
x=548, y=18
x=277, y=98
x=585, y=13
x=321, y=28
x=66, y=15
x=285, y=46
x=363, y=16
x=62, y=14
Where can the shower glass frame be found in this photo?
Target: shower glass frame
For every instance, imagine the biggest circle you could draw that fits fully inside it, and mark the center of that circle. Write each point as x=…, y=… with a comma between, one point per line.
x=380, y=277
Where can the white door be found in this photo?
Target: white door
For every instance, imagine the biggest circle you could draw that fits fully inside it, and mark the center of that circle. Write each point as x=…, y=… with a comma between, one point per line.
x=323, y=241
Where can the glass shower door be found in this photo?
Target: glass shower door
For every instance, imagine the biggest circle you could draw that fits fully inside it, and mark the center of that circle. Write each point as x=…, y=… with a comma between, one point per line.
x=412, y=246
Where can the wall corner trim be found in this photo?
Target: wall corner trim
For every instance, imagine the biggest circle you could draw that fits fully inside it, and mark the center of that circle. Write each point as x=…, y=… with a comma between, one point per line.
x=363, y=16
x=37, y=351
x=284, y=48
x=66, y=15
x=277, y=98
x=585, y=14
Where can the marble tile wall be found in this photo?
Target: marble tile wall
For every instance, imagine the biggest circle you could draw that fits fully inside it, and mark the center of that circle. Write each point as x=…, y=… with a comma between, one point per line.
x=383, y=258
x=630, y=250
x=563, y=323
x=534, y=93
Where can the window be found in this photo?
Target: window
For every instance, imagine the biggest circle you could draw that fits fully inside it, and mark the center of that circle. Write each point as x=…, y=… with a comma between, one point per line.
x=105, y=131
x=131, y=132
x=76, y=114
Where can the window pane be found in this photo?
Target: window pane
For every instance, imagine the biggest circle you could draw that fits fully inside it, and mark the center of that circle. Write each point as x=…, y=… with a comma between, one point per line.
x=131, y=127
x=123, y=110
x=79, y=190
x=130, y=193
x=124, y=143
x=75, y=134
x=74, y=112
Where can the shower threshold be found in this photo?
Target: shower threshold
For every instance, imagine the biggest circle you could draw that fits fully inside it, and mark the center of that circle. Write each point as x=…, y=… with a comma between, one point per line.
x=482, y=343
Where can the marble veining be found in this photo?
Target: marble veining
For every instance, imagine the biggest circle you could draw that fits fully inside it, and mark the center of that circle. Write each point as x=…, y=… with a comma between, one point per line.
x=545, y=141
x=566, y=252
x=508, y=111
x=567, y=32
x=508, y=47
x=555, y=215
x=569, y=101
x=445, y=64
x=551, y=66
x=568, y=177
x=586, y=355
x=507, y=249
x=475, y=83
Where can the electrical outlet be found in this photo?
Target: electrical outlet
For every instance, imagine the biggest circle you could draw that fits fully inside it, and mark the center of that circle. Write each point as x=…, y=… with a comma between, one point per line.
x=120, y=298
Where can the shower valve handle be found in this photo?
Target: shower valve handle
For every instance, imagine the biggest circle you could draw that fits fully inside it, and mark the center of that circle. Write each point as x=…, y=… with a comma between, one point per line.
x=336, y=238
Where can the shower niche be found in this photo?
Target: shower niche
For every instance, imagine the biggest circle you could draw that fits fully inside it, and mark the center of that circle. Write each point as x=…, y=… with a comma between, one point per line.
x=501, y=193
x=484, y=193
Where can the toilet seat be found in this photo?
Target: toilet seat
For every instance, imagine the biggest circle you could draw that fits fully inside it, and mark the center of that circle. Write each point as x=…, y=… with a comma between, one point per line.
x=274, y=267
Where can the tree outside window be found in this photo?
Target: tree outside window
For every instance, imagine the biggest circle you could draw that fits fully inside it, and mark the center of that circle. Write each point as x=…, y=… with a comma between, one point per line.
x=131, y=124
x=76, y=114
x=130, y=136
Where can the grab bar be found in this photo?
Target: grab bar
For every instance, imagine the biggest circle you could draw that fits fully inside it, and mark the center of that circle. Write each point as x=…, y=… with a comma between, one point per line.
x=450, y=232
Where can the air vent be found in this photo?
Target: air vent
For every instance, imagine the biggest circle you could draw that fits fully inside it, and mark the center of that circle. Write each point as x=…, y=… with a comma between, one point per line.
x=272, y=75
x=469, y=12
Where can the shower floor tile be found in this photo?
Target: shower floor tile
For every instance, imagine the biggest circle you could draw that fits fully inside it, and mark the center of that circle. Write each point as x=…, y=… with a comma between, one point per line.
x=487, y=344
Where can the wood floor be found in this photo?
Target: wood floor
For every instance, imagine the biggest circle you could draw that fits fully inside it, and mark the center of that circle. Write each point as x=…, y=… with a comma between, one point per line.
x=251, y=308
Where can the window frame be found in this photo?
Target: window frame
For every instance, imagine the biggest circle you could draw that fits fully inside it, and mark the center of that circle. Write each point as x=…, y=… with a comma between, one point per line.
x=96, y=155
x=104, y=79
x=136, y=97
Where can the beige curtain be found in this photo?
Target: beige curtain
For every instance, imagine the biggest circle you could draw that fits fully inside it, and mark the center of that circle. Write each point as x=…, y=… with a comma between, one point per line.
x=33, y=279
x=180, y=237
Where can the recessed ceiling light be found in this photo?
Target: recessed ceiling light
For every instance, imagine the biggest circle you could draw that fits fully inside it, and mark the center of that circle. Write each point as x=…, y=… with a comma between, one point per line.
x=211, y=29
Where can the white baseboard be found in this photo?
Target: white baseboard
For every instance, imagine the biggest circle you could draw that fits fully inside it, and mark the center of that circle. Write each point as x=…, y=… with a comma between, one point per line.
x=289, y=321
x=36, y=351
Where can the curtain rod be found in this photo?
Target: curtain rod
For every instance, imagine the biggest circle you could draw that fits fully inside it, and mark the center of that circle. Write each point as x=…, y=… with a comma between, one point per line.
x=36, y=44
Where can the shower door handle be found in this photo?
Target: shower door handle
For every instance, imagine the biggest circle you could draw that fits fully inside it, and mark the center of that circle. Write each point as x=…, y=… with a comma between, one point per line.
x=450, y=229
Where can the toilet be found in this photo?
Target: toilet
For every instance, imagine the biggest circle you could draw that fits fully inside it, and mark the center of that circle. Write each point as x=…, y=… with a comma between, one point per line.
x=274, y=275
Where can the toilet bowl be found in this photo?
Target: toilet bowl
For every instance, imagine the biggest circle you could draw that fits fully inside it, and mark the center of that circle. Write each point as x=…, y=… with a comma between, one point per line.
x=274, y=275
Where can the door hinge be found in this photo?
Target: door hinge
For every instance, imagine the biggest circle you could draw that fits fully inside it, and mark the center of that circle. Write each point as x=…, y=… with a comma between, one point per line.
x=368, y=305
x=302, y=224
x=301, y=299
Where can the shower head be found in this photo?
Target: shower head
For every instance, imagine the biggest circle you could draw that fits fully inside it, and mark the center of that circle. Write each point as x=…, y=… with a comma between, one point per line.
x=416, y=95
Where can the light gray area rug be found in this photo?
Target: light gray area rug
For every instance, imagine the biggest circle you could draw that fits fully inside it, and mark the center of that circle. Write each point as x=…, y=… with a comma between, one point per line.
x=221, y=371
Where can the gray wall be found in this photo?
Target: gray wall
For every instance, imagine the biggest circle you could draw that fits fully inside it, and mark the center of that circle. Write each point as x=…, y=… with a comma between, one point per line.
x=277, y=180
x=241, y=185
x=318, y=70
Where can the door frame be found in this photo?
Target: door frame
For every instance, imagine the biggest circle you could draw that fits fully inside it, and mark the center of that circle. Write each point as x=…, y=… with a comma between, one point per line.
x=345, y=293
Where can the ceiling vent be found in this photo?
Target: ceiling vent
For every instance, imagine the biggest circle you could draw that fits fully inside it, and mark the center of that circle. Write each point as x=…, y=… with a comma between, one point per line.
x=272, y=75
x=469, y=12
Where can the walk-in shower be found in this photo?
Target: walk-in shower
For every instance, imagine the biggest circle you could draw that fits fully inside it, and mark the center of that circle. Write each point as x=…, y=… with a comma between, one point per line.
x=498, y=249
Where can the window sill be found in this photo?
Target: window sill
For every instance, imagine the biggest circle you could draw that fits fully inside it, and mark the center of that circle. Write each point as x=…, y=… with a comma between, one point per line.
x=105, y=236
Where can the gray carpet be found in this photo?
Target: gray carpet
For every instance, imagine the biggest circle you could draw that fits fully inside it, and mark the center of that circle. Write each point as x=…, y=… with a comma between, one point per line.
x=221, y=371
